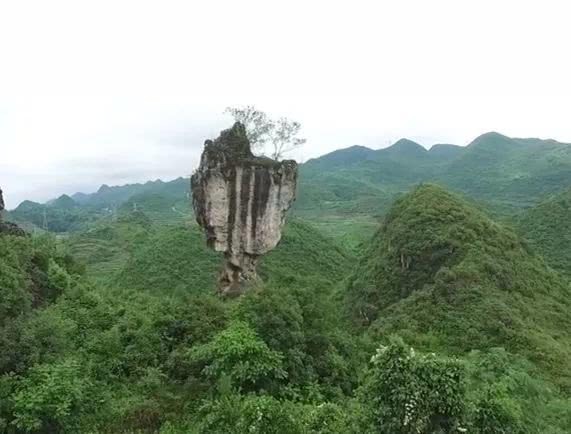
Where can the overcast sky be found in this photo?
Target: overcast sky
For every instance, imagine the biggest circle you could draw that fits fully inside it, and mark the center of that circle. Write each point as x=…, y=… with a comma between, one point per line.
x=95, y=92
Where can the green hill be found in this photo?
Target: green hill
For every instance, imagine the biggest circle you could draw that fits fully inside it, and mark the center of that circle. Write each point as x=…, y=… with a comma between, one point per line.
x=444, y=152
x=160, y=208
x=60, y=215
x=63, y=202
x=114, y=196
x=134, y=253
x=172, y=259
x=443, y=275
x=505, y=174
x=104, y=248
x=508, y=173
x=144, y=346
x=162, y=202
x=547, y=227
x=512, y=173
x=176, y=259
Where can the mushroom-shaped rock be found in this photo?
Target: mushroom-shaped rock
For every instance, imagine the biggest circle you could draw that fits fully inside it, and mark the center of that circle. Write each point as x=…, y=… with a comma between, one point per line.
x=241, y=201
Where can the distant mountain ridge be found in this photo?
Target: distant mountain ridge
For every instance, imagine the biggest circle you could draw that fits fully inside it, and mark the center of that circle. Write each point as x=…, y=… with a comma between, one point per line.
x=116, y=195
x=161, y=201
x=508, y=173
x=490, y=143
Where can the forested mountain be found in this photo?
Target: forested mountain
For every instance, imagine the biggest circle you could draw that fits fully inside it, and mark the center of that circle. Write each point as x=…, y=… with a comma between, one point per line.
x=504, y=174
x=445, y=320
x=447, y=278
x=145, y=347
x=109, y=197
x=166, y=202
x=435, y=266
x=547, y=227
x=508, y=174
x=60, y=215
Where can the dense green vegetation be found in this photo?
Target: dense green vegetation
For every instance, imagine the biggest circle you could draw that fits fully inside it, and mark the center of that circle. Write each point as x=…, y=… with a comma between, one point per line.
x=504, y=175
x=448, y=279
x=84, y=358
x=162, y=202
x=105, y=247
x=151, y=349
x=508, y=174
x=388, y=306
x=61, y=215
x=547, y=227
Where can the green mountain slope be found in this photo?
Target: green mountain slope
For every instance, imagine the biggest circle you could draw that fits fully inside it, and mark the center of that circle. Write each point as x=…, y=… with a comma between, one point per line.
x=159, y=207
x=162, y=202
x=133, y=253
x=442, y=274
x=508, y=173
x=105, y=247
x=114, y=196
x=63, y=202
x=547, y=227
x=172, y=259
x=60, y=215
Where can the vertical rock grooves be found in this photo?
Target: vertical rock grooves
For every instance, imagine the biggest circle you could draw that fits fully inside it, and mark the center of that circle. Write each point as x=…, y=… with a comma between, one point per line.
x=231, y=209
x=261, y=194
x=244, y=198
x=241, y=201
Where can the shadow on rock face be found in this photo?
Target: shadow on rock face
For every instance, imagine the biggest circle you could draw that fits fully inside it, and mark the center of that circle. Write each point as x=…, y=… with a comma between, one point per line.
x=241, y=201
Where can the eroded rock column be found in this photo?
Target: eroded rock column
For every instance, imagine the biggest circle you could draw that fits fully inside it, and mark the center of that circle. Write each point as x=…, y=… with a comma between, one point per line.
x=241, y=202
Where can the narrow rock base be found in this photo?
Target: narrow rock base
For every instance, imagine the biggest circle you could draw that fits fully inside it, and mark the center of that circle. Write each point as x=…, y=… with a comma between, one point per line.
x=238, y=274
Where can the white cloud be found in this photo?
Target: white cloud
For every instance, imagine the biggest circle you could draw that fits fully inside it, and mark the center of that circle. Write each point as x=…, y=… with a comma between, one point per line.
x=118, y=91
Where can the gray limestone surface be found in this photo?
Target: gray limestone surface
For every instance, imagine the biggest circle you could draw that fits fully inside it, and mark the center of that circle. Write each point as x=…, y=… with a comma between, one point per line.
x=241, y=201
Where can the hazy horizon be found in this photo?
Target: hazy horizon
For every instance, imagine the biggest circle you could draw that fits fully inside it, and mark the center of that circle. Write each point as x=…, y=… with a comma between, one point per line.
x=96, y=188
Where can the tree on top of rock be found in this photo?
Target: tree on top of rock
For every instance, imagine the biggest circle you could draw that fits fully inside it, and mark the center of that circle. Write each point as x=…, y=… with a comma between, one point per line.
x=267, y=135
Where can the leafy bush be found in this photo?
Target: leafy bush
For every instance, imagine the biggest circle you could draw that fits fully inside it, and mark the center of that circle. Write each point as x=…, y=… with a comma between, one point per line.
x=411, y=393
x=239, y=353
x=51, y=396
x=235, y=414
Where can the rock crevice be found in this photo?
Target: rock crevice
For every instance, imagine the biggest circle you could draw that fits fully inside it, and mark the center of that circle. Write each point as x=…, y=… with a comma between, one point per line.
x=241, y=202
